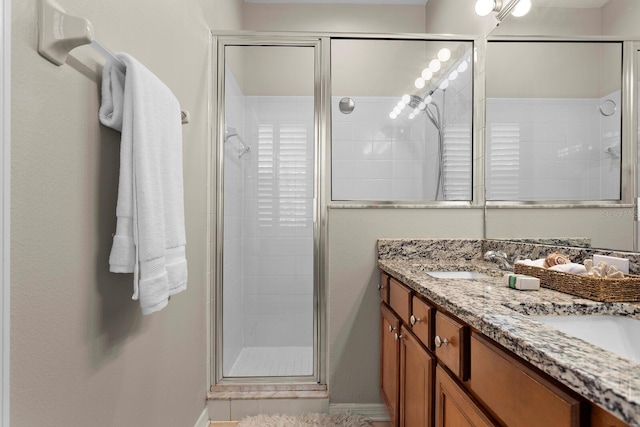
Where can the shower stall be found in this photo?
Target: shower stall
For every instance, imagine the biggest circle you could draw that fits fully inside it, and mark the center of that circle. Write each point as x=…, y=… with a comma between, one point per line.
x=284, y=148
x=268, y=291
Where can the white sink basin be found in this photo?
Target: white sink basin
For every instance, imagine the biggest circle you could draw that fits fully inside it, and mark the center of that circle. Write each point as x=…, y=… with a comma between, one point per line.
x=618, y=334
x=457, y=274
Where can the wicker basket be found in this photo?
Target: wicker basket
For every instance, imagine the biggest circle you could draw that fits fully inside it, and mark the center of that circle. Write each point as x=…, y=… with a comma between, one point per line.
x=625, y=289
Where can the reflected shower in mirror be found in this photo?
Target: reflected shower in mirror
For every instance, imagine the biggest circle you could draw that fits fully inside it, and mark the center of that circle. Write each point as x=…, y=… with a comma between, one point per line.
x=410, y=136
x=547, y=137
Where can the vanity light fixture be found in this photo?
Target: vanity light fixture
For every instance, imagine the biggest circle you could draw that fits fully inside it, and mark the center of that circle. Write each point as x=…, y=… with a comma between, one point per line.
x=502, y=7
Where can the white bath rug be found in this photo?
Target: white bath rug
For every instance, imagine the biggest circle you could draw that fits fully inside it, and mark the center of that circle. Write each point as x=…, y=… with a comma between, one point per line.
x=306, y=420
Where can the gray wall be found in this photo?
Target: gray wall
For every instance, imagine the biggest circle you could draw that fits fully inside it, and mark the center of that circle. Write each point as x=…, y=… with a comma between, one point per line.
x=81, y=352
x=353, y=299
x=334, y=17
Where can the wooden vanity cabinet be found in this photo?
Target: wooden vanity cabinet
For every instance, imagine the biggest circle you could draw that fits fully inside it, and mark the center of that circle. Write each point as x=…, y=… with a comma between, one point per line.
x=390, y=362
x=435, y=371
x=416, y=382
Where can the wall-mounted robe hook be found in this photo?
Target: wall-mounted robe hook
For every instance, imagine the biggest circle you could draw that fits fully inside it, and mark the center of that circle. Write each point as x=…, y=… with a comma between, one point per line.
x=59, y=33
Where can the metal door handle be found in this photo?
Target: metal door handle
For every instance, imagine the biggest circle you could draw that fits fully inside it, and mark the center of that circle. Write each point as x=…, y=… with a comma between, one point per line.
x=413, y=320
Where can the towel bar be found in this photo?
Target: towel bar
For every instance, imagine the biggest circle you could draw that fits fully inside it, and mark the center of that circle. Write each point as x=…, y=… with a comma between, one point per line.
x=59, y=33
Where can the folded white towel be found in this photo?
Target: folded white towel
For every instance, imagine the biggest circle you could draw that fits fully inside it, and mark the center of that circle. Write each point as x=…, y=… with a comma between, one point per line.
x=150, y=236
x=571, y=267
x=532, y=263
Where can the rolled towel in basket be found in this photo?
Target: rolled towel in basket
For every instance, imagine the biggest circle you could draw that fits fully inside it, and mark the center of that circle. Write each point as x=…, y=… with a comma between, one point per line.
x=532, y=263
x=571, y=267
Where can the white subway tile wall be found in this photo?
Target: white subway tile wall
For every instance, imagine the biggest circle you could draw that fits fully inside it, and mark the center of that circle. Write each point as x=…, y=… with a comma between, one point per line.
x=552, y=149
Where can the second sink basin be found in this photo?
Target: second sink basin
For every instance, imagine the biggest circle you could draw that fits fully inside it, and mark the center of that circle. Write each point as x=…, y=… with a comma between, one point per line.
x=457, y=274
x=617, y=334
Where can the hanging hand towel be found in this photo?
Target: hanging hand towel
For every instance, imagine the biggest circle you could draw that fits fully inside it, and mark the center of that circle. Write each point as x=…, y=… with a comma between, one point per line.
x=150, y=237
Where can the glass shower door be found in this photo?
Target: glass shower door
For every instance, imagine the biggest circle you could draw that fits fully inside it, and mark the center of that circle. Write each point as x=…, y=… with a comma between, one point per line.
x=268, y=281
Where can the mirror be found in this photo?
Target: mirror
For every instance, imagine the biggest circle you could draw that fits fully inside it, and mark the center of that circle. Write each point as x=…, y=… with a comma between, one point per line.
x=409, y=137
x=546, y=135
x=610, y=226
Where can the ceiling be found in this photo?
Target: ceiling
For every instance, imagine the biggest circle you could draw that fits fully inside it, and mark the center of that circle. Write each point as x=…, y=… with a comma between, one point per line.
x=541, y=3
x=395, y=2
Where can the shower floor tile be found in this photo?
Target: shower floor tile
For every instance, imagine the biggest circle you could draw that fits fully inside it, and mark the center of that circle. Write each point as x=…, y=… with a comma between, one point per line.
x=273, y=362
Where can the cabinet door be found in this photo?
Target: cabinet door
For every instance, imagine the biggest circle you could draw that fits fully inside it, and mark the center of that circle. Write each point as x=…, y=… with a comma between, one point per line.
x=416, y=382
x=454, y=408
x=389, y=362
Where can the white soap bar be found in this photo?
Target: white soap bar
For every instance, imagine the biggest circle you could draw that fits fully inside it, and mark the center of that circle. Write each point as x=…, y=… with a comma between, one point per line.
x=521, y=282
x=621, y=264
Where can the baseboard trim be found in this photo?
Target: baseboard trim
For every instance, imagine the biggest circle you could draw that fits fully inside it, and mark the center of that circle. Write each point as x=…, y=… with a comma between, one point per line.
x=371, y=411
x=203, y=420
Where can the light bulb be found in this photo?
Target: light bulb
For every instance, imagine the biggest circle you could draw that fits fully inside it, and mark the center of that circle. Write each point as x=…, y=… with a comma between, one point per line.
x=419, y=83
x=522, y=8
x=406, y=99
x=416, y=111
x=412, y=116
x=444, y=54
x=427, y=74
x=484, y=7
x=428, y=99
x=453, y=75
x=393, y=115
x=444, y=84
x=434, y=65
x=462, y=67
x=397, y=110
x=422, y=106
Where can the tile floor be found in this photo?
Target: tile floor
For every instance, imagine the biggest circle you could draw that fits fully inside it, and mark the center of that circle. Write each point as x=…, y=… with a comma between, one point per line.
x=273, y=362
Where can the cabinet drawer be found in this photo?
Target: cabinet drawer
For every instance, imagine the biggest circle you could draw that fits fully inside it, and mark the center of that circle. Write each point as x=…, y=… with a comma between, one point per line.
x=452, y=345
x=602, y=418
x=384, y=287
x=400, y=299
x=515, y=393
x=421, y=321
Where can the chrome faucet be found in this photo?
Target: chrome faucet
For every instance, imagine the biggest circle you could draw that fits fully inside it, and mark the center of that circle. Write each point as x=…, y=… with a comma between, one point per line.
x=501, y=258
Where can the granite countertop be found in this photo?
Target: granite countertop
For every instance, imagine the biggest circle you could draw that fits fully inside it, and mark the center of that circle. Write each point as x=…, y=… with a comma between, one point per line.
x=500, y=313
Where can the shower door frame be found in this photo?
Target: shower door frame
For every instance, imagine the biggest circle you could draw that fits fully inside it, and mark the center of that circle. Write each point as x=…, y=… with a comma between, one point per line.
x=321, y=78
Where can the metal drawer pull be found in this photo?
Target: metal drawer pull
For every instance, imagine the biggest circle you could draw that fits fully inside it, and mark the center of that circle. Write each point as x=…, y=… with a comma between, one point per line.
x=397, y=337
x=391, y=328
x=439, y=341
x=413, y=320
x=380, y=287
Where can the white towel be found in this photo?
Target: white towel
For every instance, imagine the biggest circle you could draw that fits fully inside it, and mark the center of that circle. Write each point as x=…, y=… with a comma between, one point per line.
x=532, y=263
x=571, y=267
x=150, y=236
